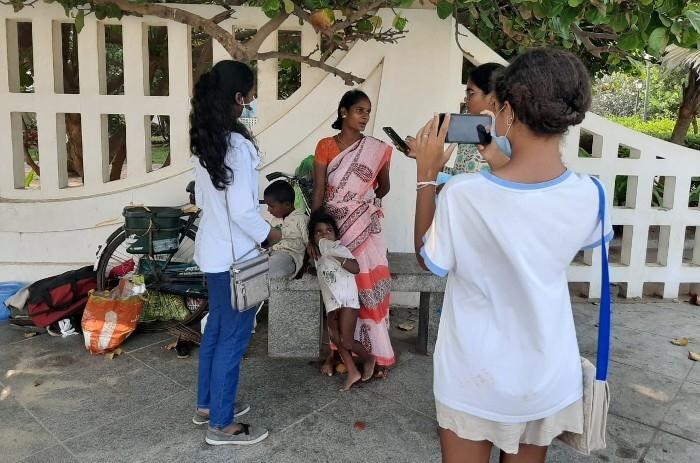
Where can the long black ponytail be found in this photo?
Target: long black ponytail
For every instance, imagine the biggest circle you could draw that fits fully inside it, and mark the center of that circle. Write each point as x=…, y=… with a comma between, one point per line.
x=212, y=119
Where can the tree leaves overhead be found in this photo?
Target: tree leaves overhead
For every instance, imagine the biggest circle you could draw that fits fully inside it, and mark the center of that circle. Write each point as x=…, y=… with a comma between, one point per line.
x=608, y=30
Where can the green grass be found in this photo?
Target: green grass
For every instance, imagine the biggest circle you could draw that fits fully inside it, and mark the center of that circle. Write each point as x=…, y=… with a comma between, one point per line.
x=159, y=153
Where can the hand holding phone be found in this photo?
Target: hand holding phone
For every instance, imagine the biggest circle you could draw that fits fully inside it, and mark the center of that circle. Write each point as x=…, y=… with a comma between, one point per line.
x=464, y=128
x=397, y=140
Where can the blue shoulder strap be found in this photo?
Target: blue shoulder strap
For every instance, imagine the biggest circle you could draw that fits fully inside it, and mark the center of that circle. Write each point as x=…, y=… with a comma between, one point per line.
x=605, y=317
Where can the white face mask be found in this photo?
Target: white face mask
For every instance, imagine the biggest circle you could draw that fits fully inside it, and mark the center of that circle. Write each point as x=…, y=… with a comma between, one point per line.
x=502, y=140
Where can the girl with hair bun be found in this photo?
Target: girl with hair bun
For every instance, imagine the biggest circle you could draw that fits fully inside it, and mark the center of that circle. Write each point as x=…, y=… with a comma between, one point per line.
x=507, y=371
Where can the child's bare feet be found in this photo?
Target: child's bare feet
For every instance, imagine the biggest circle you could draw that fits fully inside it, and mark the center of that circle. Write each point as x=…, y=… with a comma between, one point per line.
x=368, y=368
x=353, y=377
x=328, y=364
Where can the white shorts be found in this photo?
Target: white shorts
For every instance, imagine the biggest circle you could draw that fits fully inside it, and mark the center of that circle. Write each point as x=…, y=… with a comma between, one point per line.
x=509, y=436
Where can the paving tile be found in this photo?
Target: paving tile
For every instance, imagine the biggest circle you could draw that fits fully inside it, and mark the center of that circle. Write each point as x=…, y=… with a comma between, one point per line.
x=410, y=383
x=138, y=341
x=20, y=434
x=71, y=391
x=55, y=454
x=639, y=394
x=11, y=333
x=669, y=320
x=639, y=349
x=123, y=410
x=671, y=449
x=626, y=441
x=585, y=313
x=162, y=431
x=683, y=417
x=182, y=371
x=694, y=375
x=392, y=433
x=285, y=390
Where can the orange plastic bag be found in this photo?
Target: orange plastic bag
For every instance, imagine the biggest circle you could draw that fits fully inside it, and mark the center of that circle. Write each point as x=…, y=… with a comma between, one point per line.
x=110, y=318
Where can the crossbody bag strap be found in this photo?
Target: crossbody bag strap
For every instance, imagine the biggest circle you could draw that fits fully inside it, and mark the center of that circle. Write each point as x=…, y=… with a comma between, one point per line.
x=230, y=230
x=605, y=317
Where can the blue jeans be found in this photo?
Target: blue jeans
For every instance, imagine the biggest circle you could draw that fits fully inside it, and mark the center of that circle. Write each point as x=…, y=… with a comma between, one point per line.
x=223, y=344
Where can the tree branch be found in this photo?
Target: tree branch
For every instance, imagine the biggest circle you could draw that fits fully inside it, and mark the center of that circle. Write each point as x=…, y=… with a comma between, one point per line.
x=349, y=78
x=264, y=31
x=225, y=38
x=223, y=16
x=585, y=40
x=599, y=35
x=357, y=15
x=459, y=45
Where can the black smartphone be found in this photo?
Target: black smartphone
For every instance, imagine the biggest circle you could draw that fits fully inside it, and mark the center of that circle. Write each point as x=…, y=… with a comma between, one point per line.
x=398, y=141
x=463, y=128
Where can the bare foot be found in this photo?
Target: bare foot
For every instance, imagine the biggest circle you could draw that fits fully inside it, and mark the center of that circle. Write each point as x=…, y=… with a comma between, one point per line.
x=352, y=379
x=327, y=367
x=368, y=368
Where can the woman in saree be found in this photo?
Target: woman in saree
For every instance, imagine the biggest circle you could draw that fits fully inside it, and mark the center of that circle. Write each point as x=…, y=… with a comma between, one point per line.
x=351, y=176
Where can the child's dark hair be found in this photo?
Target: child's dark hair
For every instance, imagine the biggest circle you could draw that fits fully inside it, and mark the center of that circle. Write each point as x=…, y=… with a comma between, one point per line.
x=321, y=216
x=549, y=90
x=212, y=120
x=280, y=191
x=482, y=76
x=348, y=100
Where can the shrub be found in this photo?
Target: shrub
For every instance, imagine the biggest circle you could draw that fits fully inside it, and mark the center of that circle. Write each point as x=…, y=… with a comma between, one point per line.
x=659, y=128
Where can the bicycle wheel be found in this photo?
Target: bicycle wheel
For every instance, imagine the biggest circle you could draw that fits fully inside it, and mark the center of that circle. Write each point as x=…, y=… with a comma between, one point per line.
x=163, y=272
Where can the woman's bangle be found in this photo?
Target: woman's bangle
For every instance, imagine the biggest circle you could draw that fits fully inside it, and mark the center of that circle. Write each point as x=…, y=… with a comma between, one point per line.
x=342, y=264
x=421, y=185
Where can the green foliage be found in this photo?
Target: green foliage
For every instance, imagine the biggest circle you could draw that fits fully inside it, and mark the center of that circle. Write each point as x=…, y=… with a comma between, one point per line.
x=611, y=29
x=659, y=128
x=365, y=27
x=28, y=179
x=289, y=72
x=615, y=94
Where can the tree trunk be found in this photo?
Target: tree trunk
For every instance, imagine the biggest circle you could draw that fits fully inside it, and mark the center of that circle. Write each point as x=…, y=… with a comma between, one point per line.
x=71, y=85
x=27, y=144
x=690, y=104
x=30, y=162
x=74, y=145
x=117, y=150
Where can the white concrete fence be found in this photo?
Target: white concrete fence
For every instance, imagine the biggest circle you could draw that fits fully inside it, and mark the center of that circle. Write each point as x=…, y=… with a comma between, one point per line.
x=57, y=226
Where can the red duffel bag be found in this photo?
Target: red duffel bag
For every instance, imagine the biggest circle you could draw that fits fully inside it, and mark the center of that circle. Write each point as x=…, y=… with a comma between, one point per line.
x=58, y=297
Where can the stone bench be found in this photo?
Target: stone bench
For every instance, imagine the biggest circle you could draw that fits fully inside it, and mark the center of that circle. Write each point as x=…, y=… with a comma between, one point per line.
x=295, y=319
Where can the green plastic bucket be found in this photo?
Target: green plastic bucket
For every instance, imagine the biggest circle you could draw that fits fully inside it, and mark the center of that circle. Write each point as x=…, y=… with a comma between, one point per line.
x=152, y=230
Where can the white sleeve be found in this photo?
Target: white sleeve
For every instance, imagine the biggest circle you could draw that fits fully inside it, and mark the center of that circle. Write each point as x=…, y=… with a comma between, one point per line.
x=596, y=238
x=244, y=210
x=438, y=251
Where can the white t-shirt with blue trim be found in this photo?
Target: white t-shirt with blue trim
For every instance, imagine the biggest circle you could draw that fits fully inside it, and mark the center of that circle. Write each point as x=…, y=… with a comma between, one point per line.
x=506, y=348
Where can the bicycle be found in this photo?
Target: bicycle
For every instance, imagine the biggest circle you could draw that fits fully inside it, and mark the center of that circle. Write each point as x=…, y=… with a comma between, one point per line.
x=168, y=272
x=172, y=273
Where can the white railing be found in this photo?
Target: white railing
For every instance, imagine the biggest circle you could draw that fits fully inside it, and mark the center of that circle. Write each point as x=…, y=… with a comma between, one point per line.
x=641, y=264
x=644, y=263
x=56, y=226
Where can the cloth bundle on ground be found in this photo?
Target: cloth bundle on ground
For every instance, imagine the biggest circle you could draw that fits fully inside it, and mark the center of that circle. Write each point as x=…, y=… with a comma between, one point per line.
x=58, y=297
